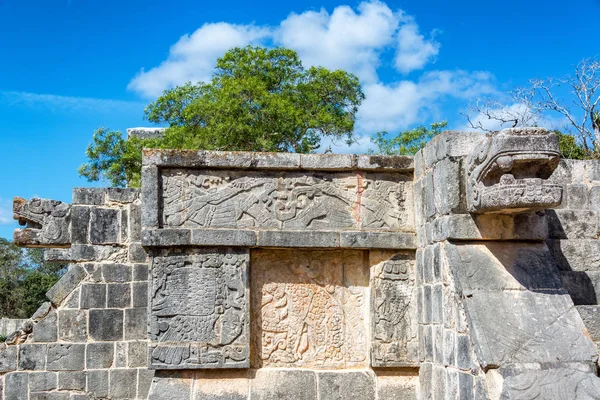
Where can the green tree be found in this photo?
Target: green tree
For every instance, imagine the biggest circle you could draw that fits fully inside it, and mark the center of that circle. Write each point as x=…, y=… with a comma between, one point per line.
x=407, y=142
x=257, y=100
x=569, y=148
x=24, y=279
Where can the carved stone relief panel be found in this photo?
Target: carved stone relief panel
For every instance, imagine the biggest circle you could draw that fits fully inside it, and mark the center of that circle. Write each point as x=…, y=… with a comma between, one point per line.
x=393, y=310
x=199, y=309
x=197, y=198
x=309, y=308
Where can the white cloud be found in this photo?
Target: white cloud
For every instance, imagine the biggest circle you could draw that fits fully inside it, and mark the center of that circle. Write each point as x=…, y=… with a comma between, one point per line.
x=360, y=40
x=414, y=51
x=194, y=56
x=6, y=214
x=70, y=103
x=345, y=39
x=396, y=106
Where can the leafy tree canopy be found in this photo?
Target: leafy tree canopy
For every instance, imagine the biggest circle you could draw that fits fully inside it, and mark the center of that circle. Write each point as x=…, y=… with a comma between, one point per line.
x=24, y=279
x=407, y=142
x=258, y=100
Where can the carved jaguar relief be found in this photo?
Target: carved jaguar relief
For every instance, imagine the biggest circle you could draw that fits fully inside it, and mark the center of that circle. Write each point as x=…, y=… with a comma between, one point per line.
x=289, y=201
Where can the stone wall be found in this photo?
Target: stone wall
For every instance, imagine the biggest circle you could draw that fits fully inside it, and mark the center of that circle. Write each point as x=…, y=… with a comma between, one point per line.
x=89, y=340
x=468, y=272
x=8, y=325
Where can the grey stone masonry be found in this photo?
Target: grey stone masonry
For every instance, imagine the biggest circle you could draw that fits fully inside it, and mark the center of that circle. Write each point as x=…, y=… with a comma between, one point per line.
x=469, y=271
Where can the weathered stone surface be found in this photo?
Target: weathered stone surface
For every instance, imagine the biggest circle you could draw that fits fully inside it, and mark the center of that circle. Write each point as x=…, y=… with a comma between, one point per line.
x=97, y=383
x=99, y=355
x=72, y=325
x=331, y=162
x=32, y=357
x=137, y=354
x=577, y=196
x=171, y=385
x=221, y=385
x=106, y=324
x=50, y=396
x=46, y=330
x=223, y=237
x=298, y=239
x=88, y=196
x=572, y=224
x=140, y=294
x=16, y=386
x=122, y=195
x=279, y=384
x=397, y=385
x=495, y=266
x=48, y=222
x=199, y=311
x=71, y=380
x=576, y=255
x=590, y=314
x=66, y=284
x=8, y=358
x=136, y=323
x=65, y=357
x=123, y=384
x=378, y=240
x=117, y=273
x=118, y=295
x=393, y=310
x=310, y=308
x=42, y=381
x=144, y=381
x=104, y=226
x=93, y=295
x=359, y=385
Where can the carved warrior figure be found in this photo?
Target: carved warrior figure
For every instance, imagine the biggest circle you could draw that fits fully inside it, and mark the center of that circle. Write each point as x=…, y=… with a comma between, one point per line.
x=305, y=314
x=47, y=222
x=509, y=169
x=199, y=311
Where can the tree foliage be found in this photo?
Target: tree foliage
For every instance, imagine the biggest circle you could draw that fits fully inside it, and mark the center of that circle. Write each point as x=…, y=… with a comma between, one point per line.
x=257, y=100
x=407, y=142
x=24, y=279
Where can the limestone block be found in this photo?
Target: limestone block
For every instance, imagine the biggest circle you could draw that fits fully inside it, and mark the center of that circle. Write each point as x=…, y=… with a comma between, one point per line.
x=590, y=314
x=140, y=272
x=93, y=295
x=99, y=355
x=297, y=295
x=16, y=386
x=546, y=381
x=46, y=330
x=378, y=162
x=595, y=198
x=167, y=385
x=42, y=381
x=496, y=266
x=88, y=196
x=97, y=383
x=106, y=324
x=393, y=310
x=122, y=195
x=502, y=331
x=66, y=284
x=276, y=384
x=136, y=323
x=593, y=170
x=327, y=161
x=81, y=252
x=50, y=396
x=447, y=194
x=72, y=325
x=145, y=133
x=577, y=196
x=576, y=254
x=397, y=385
x=137, y=254
x=572, y=224
x=135, y=222
x=144, y=381
x=117, y=273
x=73, y=300
x=199, y=311
x=8, y=358
x=378, y=240
x=223, y=237
x=355, y=385
x=140, y=294
x=104, y=226
x=466, y=387
x=149, y=195
x=298, y=239
x=123, y=383
x=32, y=357
x=137, y=354
x=221, y=385
x=71, y=380
x=80, y=224
x=584, y=287
x=118, y=295
x=65, y=357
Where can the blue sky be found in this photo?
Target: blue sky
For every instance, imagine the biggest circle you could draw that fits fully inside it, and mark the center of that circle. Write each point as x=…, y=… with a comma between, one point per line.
x=70, y=66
